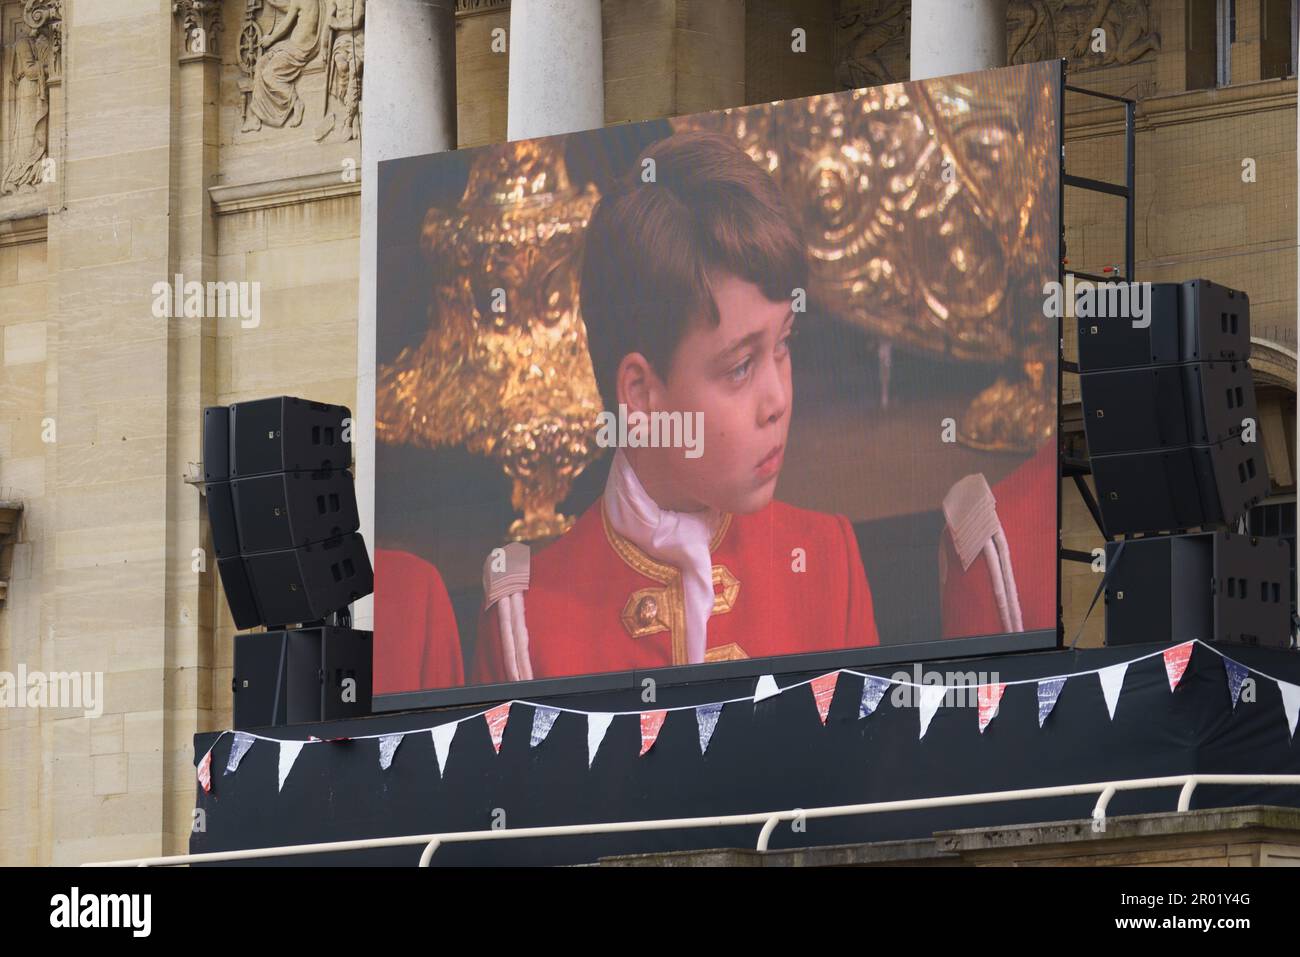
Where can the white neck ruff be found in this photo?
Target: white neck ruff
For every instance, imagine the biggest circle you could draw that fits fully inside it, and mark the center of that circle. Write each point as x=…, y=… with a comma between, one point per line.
x=679, y=539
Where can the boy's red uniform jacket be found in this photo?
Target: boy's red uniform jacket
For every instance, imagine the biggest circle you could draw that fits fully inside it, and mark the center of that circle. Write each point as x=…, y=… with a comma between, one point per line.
x=417, y=644
x=1026, y=506
x=785, y=580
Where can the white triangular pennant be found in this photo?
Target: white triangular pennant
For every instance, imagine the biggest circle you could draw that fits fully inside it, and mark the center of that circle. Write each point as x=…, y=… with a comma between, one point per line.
x=1112, y=680
x=597, y=725
x=237, y=751
x=289, y=751
x=1290, y=703
x=930, y=698
x=387, y=748
x=442, y=736
x=766, y=689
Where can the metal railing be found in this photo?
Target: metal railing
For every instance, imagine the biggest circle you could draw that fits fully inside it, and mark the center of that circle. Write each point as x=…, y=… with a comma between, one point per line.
x=1105, y=790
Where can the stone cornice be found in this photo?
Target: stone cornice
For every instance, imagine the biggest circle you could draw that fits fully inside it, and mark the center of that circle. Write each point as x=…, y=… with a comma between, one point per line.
x=27, y=229
x=469, y=8
x=1192, y=106
x=287, y=191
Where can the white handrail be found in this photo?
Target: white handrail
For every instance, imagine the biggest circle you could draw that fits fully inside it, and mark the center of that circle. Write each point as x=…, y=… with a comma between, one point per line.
x=768, y=819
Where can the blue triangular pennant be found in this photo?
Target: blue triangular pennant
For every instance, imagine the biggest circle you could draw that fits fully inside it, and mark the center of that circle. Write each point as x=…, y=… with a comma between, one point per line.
x=1048, y=691
x=873, y=689
x=706, y=716
x=1237, y=673
x=543, y=721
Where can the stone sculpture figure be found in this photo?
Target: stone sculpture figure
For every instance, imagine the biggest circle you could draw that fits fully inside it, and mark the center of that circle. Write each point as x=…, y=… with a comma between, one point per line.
x=345, y=47
x=28, y=109
x=292, y=44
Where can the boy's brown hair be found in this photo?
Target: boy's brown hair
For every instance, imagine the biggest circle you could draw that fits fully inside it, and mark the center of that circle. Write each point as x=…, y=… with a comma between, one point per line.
x=651, y=245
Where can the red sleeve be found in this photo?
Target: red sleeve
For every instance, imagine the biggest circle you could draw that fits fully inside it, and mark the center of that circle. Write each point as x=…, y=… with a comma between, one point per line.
x=416, y=644
x=488, y=667
x=860, y=626
x=1026, y=507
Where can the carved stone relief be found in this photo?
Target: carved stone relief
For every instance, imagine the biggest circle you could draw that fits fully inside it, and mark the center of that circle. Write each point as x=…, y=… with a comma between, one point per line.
x=1045, y=29
x=32, y=46
x=872, y=36
x=871, y=42
x=200, y=23
x=279, y=40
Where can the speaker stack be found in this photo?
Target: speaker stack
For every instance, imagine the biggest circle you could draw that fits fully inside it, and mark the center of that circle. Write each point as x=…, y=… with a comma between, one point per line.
x=1170, y=418
x=284, y=520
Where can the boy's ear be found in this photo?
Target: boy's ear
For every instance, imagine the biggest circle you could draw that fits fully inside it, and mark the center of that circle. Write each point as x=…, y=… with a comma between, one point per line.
x=636, y=383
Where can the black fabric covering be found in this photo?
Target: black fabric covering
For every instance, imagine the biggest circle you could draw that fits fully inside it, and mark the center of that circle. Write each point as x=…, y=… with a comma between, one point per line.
x=772, y=756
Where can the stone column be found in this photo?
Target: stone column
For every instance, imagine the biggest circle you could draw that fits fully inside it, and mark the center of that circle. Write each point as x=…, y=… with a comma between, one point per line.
x=957, y=36
x=557, y=75
x=408, y=109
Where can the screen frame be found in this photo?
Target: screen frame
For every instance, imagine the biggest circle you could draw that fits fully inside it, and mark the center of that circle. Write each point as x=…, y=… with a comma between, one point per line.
x=874, y=657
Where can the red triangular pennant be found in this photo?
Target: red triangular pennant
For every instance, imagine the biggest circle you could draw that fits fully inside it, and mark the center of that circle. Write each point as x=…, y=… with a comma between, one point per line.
x=651, y=722
x=205, y=772
x=823, y=690
x=1176, y=659
x=990, y=696
x=496, y=722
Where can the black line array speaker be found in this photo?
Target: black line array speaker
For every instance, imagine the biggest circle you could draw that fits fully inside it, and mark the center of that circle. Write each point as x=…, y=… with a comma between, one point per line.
x=1216, y=586
x=1191, y=321
x=301, y=675
x=1169, y=411
x=1193, y=486
x=283, y=511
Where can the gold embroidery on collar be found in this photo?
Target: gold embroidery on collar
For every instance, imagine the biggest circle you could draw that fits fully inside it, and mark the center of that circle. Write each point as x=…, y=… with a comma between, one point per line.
x=652, y=610
x=728, y=652
x=642, y=563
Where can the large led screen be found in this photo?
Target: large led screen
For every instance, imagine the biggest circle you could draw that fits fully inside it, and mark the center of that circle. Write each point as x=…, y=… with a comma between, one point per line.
x=732, y=386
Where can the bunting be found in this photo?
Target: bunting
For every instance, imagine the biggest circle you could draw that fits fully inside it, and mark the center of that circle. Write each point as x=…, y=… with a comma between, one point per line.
x=238, y=749
x=543, y=721
x=1237, y=673
x=1048, y=691
x=289, y=751
x=990, y=697
x=1176, y=660
x=930, y=699
x=651, y=722
x=706, y=718
x=496, y=721
x=1112, y=680
x=1290, y=703
x=873, y=689
x=387, y=748
x=597, y=725
x=205, y=772
x=823, y=690
x=442, y=736
x=765, y=689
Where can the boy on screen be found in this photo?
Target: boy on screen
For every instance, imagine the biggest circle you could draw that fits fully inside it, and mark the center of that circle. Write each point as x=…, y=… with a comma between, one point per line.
x=691, y=263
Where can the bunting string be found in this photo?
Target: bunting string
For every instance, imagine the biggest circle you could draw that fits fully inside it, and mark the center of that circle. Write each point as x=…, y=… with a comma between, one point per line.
x=823, y=687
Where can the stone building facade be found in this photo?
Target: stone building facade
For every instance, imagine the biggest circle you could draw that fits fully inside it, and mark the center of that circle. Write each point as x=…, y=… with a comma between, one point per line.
x=216, y=141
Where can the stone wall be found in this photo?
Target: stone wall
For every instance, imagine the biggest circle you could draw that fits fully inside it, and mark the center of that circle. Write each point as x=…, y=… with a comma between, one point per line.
x=155, y=169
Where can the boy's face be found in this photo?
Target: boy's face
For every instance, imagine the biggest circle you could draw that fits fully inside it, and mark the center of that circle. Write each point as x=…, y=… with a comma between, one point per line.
x=737, y=374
